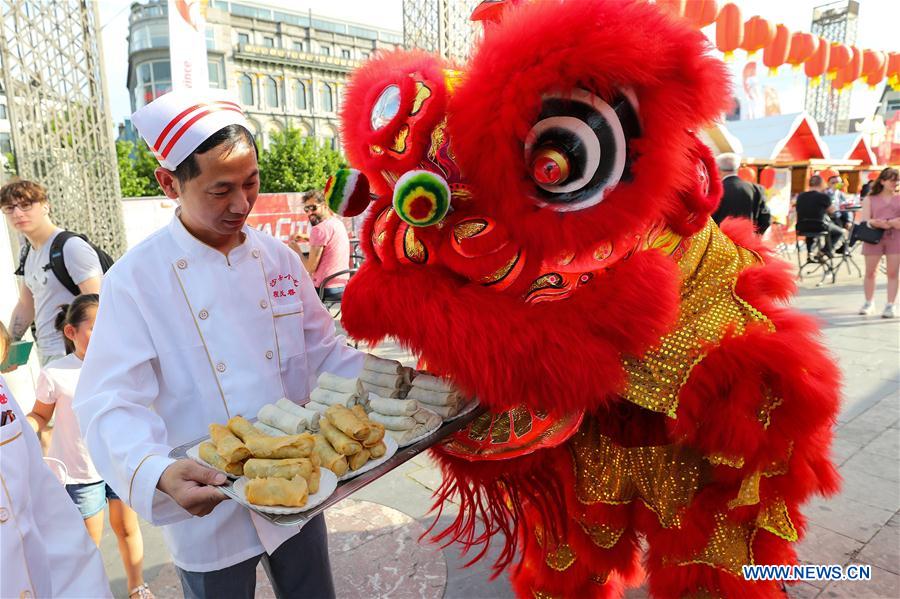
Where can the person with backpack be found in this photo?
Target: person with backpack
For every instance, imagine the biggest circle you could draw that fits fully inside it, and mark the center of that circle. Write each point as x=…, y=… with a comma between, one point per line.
x=55, y=266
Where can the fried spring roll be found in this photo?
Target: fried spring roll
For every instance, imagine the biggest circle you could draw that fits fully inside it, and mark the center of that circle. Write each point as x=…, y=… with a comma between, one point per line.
x=378, y=450
x=227, y=445
x=277, y=491
x=242, y=428
x=289, y=468
x=330, y=459
x=348, y=422
x=341, y=442
x=291, y=446
x=209, y=455
x=359, y=460
x=313, y=481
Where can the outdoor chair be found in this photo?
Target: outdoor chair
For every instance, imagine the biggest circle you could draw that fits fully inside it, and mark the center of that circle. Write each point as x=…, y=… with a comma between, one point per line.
x=813, y=235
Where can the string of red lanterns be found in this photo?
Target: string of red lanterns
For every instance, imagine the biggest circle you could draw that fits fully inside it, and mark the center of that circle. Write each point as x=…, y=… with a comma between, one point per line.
x=842, y=64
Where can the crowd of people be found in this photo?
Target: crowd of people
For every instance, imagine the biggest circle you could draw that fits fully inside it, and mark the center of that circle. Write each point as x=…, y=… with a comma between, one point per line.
x=827, y=227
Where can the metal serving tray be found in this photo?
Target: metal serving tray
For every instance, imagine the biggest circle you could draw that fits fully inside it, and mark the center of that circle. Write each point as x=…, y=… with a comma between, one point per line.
x=347, y=487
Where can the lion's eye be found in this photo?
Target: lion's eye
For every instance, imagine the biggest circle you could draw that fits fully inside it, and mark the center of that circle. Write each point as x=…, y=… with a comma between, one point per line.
x=386, y=107
x=577, y=150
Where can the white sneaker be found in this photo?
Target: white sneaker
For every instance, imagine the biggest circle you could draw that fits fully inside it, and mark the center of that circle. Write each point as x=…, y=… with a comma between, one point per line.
x=867, y=309
x=888, y=311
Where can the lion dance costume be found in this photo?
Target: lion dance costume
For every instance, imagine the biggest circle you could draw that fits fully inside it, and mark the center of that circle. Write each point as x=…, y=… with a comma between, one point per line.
x=540, y=235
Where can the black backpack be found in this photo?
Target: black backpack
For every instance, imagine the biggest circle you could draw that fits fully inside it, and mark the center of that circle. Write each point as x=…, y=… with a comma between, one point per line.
x=58, y=260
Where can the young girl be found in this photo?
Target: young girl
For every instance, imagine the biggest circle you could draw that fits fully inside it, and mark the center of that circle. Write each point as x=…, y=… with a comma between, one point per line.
x=55, y=389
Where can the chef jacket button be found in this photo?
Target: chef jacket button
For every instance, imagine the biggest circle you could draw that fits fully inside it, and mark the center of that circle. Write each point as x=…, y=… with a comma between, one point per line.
x=4, y=514
x=26, y=595
x=182, y=264
x=269, y=354
x=220, y=366
x=263, y=304
x=255, y=253
x=203, y=315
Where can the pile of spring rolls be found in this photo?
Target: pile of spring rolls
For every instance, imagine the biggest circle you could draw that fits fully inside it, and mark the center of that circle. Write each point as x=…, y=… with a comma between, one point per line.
x=384, y=378
x=281, y=471
x=333, y=390
x=437, y=395
x=347, y=439
x=404, y=419
x=284, y=417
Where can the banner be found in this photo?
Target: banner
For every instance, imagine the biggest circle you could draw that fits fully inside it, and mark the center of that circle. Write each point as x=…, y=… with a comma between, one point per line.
x=187, y=44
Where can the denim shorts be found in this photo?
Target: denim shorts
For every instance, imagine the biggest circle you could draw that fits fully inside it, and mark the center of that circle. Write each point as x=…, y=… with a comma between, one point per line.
x=91, y=498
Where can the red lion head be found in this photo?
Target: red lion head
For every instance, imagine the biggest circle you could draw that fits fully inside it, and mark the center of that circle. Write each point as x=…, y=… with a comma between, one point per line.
x=531, y=201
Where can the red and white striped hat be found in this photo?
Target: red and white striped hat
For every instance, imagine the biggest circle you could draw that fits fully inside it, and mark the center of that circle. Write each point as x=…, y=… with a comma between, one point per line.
x=175, y=124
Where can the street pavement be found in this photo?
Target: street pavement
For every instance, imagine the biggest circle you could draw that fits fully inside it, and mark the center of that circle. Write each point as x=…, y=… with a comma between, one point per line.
x=373, y=538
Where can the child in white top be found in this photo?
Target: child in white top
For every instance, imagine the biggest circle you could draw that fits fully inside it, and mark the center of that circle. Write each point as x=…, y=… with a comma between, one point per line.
x=55, y=389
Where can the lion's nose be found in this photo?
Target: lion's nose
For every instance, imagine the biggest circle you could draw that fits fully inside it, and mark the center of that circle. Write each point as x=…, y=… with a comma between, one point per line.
x=421, y=198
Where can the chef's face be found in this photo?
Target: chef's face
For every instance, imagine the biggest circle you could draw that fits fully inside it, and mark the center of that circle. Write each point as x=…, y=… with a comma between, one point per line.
x=215, y=204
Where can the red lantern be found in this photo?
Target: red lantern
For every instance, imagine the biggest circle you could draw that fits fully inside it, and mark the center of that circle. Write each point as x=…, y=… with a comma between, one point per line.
x=893, y=70
x=872, y=175
x=776, y=52
x=817, y=63
x=729, y=29
x=747, y=173
x=850, y=73
x=803, y=46
x=701, y=12
x=758, y=32
x=838, y=58
x=874, y=66
x=767, y=177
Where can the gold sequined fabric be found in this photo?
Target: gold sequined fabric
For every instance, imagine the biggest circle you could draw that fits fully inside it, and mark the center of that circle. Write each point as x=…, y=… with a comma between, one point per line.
x=602, y=535
x=776, y=519
x=728, y=547
x=559, y=558
x=709, y=307
x=664, y=477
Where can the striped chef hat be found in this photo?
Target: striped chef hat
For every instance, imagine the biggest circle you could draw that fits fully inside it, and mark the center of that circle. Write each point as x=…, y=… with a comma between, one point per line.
x=175, y=124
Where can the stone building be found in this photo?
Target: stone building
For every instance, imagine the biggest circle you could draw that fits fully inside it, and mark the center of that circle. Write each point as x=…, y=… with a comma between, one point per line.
x=288, y=68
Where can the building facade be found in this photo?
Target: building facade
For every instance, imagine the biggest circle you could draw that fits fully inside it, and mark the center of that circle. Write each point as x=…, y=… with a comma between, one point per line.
x=288, y=68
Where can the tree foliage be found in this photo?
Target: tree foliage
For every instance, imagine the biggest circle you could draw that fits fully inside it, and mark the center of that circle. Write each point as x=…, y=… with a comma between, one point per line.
x=296, y=163
x=136, y=166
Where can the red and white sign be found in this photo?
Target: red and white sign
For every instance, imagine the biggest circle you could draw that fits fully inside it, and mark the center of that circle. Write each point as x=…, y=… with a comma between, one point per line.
x=187, y=44
x=281, y=216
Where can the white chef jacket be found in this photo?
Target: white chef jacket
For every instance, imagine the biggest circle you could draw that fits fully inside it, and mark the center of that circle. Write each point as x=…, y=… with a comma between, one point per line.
x=185, y=337
x=46, y=549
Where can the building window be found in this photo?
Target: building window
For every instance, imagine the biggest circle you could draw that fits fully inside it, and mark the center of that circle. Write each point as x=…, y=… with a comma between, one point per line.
x=345, y=53
x=154, y=78
x=245, y=89
x=327, y=103
x=324, y=50
x=216, y=74
x=244, y=39
x=3, y=112
x=298, y=46
x=150, y=35
x=269, y=42
x=210, y=38
x=299, y=95
x=5, y=143
x=271, y=90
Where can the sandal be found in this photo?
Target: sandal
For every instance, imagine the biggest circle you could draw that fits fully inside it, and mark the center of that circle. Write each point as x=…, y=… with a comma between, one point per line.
x=141, y=592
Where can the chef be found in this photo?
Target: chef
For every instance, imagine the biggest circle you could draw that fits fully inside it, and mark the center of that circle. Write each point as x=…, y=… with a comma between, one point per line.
x=46, y=549
x=204, y=320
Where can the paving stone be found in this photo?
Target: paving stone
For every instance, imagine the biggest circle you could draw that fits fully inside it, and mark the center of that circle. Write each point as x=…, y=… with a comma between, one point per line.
x=823, y=546
x=886, y=444
x=883, y=550
x=842, y=450
x=870, y=489
x=848, y=517
x=803, y=590
x=884, y=585
x=887, y=468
